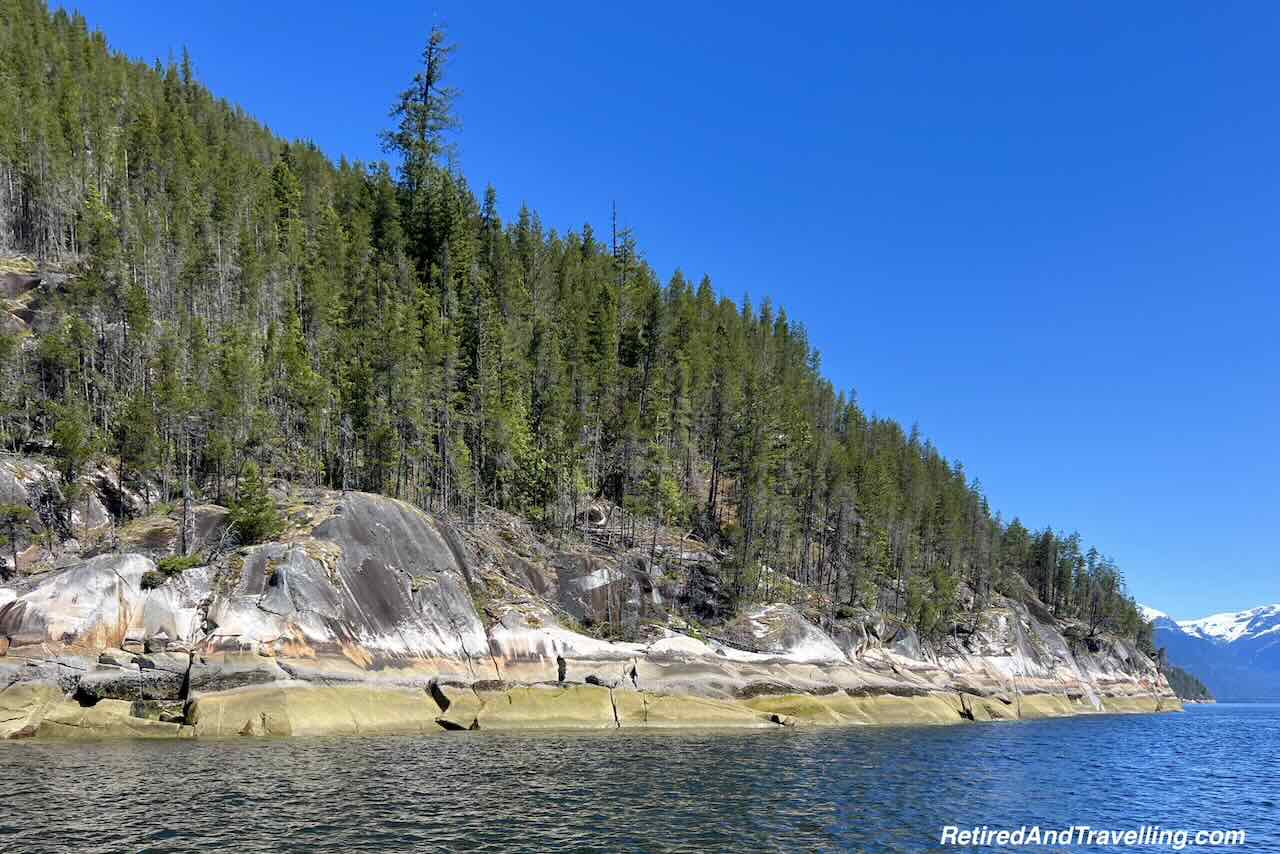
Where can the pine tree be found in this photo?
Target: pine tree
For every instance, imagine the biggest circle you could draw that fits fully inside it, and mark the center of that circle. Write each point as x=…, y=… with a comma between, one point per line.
x=236, y=297
x=425, y=115
x=11, y=516
x=253, y=512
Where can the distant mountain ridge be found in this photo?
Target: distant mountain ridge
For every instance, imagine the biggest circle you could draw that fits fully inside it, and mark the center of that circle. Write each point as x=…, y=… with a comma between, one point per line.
x=1242, y=625
x=1236, y=654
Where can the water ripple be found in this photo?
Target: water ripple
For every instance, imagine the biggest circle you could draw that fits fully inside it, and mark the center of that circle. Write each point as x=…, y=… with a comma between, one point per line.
x=871, y=789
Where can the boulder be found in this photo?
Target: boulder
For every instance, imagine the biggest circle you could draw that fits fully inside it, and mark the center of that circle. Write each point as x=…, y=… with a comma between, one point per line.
x=906, y=642
x=589, y=588
x=377, y=584
x=23, y=705
x=14, y=284
x=157, y=643
x=781, y=630
x=169, y=662
x=116, y=658
x=124, y=683
x=107, y=719
x=706, y=594
x=89, y=604
x=159, y=536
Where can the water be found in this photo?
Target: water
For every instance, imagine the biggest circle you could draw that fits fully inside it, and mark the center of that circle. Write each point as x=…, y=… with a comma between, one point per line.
x=867, y=789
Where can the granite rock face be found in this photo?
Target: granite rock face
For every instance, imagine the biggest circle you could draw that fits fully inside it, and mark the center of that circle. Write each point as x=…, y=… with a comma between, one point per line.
x=375, y=591
x=369, y=616
x=782, y=631
x=88, y=605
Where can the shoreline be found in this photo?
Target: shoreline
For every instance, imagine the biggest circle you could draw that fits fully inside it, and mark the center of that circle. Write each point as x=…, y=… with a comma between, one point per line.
x=297, y=709
x=371, y=617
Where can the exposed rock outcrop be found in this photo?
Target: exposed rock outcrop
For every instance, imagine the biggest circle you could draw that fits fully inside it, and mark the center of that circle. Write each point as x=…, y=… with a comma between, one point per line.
x=368, y=616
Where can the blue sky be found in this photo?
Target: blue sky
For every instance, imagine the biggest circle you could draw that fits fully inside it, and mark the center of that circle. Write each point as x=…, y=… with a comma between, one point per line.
x=1048, y=235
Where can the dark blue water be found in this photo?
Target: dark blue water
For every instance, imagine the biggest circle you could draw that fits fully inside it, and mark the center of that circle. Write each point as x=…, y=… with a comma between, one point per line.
x=867, y=789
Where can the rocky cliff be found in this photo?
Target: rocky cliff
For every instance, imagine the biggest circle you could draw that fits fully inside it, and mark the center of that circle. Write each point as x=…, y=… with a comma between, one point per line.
x=369, y=616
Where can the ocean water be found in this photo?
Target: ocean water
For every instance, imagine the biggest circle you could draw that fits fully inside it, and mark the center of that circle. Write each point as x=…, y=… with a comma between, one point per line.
x=864, y=789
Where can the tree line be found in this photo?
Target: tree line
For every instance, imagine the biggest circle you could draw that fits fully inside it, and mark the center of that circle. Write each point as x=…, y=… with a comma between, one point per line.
x=238, y=300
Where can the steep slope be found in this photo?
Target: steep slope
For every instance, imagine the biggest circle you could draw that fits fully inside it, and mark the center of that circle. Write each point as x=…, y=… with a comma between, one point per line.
x=370, y=616
x=189, y=294
x=187, y=298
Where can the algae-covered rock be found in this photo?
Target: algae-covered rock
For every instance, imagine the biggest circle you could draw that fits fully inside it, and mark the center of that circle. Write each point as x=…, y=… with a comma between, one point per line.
x=547, y=707
x=841, y=709
x=642, y=709
x=459, y=705
x=168, y=711
x=105, y=719
x=1140, y=704
x=977, y=708
x=803, y=709
x=893, y=709
x=1034, y=706
x=40, y=710
x=23, y=705
x=301, y=709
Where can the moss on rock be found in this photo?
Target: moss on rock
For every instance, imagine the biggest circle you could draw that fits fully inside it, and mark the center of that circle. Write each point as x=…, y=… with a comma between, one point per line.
x=642, y=709
x=547, y=707
x=23, y=705
x=301, y=709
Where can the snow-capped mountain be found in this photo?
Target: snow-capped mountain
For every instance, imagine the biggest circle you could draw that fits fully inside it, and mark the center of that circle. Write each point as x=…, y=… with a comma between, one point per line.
x=1151, y=614
x=1229, y=628
x=1236, y=654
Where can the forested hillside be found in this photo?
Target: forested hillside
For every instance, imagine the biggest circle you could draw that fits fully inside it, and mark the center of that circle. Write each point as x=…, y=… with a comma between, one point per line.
x=1184, y=684
x=231, y=298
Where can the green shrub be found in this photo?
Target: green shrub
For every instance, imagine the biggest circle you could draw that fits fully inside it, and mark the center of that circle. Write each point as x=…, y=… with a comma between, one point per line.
x=177, y=564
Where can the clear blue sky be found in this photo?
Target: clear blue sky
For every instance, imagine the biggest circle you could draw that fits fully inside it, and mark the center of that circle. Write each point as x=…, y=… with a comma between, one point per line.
x=1049, y=235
